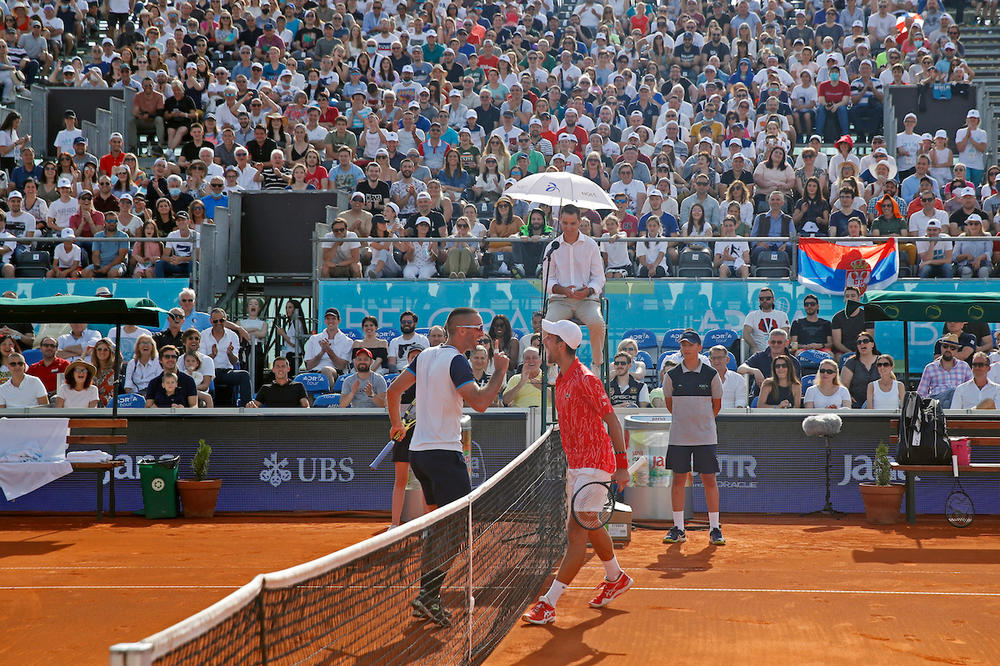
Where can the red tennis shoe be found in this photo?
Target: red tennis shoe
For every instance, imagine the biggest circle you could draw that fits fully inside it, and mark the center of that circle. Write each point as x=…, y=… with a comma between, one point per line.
x=610, y=590
x=541, y=613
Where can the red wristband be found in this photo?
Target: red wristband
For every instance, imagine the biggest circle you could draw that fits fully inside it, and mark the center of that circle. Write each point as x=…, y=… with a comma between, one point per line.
x=620, y=461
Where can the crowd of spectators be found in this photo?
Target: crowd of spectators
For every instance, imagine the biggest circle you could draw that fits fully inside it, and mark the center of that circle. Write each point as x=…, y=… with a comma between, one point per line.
x=701, y=118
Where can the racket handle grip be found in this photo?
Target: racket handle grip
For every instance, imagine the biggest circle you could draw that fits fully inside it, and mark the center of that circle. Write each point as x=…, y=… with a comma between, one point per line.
x=383, y=454
x=954, y=465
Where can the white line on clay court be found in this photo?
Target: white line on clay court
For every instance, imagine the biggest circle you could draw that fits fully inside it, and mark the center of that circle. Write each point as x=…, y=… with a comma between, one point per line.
x=727, y=590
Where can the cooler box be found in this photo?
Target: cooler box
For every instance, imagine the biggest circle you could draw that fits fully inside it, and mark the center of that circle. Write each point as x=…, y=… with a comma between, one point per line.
x=648, y=491
x=159, y=486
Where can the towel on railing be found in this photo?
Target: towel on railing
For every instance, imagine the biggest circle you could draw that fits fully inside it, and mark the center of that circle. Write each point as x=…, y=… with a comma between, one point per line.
x=32, y=453
x=88, y=456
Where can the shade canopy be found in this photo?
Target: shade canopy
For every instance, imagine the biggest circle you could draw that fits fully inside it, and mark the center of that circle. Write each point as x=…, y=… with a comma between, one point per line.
x=930, y=306
x=559, y=189
x=81, y=310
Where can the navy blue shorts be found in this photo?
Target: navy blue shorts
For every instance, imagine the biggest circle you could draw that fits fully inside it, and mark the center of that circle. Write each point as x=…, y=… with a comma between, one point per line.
x=401, y=450
x=443, y=475
x=679, y=459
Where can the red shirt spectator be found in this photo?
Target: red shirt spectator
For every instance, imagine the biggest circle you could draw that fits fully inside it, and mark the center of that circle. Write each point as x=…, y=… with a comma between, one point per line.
x=49, y=373
x=834, y=92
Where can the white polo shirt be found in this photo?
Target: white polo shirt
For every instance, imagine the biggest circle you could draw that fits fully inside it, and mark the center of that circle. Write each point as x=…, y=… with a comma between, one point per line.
x=968, y=395
x=440, y=372
x=25, y=395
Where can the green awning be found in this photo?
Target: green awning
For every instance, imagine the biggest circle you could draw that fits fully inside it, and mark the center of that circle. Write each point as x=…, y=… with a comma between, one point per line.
x=81, y=310
x=930, y=306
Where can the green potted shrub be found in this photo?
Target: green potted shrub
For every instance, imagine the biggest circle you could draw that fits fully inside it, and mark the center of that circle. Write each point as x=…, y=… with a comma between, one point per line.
x=882, y=499
x=199, y=495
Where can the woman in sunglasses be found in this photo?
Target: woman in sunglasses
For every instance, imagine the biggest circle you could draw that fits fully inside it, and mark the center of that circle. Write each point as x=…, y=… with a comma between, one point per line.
x=782, y=390
x=886, y=392
x=827, y=392
x=860, y=370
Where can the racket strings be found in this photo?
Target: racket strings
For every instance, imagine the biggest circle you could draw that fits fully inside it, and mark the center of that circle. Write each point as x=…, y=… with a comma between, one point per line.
x=959, y=509
x=593, y=505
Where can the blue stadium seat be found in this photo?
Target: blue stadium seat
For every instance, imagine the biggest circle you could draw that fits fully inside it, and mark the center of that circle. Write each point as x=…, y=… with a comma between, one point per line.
x=353, y=333
x=845, y=358
x=670, y=339
x=753, y=403
x=131, y=401
x=731, y=363
x=422, y=331
x=339, y=384
x=315, y=382
x=807, y=381
x=387, y=333
x=644, y=338
x=32, y=356
x=519, y=333
x=327, y=400
x=659, y=361
x=388, y=378
x=809, y=359
x=719, y=336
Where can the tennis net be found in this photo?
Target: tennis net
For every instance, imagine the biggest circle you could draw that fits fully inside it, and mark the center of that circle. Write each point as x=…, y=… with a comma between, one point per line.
x=495, y=547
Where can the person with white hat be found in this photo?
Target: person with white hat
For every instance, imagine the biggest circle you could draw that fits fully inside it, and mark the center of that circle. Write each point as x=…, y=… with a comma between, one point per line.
x=594, y=443
x=935, y=255
x=971, y=142
x=974, y=249
x=67, y=256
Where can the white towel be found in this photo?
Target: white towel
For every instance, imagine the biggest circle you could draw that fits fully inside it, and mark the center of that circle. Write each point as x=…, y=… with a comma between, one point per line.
x=88, y=456
x=18, y=479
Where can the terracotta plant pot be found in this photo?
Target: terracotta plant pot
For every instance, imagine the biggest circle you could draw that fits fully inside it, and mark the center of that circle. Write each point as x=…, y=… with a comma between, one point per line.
x=198, y=498
x=882, y=502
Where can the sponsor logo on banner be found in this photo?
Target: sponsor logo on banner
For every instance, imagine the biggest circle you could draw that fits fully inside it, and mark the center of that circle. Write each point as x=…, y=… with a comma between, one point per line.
x=306, y=470
x=735, y=471
x=860, y=468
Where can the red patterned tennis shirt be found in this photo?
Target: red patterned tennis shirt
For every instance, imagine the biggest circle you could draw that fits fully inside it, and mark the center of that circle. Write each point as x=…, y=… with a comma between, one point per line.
x=582, y=403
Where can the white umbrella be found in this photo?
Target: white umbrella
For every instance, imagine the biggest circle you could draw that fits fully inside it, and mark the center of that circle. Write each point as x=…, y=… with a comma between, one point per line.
x=559, y=189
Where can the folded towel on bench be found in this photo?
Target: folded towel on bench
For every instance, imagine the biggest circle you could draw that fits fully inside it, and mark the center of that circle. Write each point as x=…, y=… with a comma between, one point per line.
x=88, y=456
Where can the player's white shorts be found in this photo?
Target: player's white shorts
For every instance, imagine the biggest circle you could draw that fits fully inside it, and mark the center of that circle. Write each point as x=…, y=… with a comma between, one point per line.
x=577, y=478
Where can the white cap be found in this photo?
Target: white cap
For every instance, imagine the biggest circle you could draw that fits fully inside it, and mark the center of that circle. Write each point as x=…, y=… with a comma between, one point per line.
x=68, y=233
x=15, y=195
x=424, y=195
x=949, y=45
x=940, y=134
x=810, y=227
x=559, y=156
x=465, y=130
x=394, y=206
x=910, y=116
x=407, y=68
x=933, y=223
x=471, y=114
x=391, y=136
x=967, y=192
x=975, y=217
x=653, y=192
x=973, y=113
x=568, y=331
x=64, y=182
x=455, y=93
x=423, y=220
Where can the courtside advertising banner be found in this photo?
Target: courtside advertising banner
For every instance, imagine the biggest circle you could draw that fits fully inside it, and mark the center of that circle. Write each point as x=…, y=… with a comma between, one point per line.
x=829, y=268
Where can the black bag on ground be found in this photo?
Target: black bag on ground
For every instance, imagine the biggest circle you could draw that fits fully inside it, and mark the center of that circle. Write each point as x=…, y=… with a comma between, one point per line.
x=923, y=432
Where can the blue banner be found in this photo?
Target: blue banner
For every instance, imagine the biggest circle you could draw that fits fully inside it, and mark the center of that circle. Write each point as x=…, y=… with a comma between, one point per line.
x=658, y=305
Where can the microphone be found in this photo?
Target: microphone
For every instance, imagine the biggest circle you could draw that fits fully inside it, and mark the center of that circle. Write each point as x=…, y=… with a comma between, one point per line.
x=552, y=248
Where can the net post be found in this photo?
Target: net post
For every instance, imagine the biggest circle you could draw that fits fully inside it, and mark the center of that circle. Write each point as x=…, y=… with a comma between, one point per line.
x=131, y=654
x=469, y=602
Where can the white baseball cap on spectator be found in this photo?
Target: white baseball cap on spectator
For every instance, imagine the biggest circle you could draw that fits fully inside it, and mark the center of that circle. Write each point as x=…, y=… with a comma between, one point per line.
x=455, y=93
x=950, y=46
x=558, y=156
x=394, y=207
x=857, y=24
x=471, y=114
x=15, y=195
x=535, y=121
x=424, y=195
x=910, y=116
x=810, y=228
x=933, y=224
x=736, y=142
x=407, y=69
x=357, y=195
x=423, y=220
x=653, y=192
x=967, y=192
x=64, y=182
x=465, y=130
x=926, y=137
x=67, y=233
x=940, y=134
x=975, y=217
x=391, y=136
x=973, y=113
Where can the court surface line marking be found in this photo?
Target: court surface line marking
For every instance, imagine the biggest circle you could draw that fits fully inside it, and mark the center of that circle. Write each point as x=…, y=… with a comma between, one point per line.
x=728, y=590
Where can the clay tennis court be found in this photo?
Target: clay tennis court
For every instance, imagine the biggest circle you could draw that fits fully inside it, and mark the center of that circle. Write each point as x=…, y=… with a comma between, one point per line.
x=784, y=590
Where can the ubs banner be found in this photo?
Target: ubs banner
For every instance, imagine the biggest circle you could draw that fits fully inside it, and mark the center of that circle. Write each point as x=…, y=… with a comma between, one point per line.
x=658, y=305
x=314, y=462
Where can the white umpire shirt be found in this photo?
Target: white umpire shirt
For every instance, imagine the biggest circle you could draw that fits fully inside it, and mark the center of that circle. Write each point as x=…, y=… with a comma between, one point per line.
x=575, y=265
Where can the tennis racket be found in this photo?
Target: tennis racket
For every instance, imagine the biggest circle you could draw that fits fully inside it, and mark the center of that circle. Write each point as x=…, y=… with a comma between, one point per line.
x=409, y=420
x=958, y=508
x=594, y=503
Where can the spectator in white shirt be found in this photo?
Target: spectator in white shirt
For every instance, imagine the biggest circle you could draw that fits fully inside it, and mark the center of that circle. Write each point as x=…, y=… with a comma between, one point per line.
x=734, y=385
x=21, y=390
x=329, y=351
x=979, y=392
x=758, y=324
x=78, y=343
x=143, y=367
x=223, y=346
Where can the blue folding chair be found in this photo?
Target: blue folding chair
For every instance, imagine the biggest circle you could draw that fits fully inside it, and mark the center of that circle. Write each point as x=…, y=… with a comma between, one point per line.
x=327, y=400
x=131, y=401
x=388, y=378
x=807, y=381
x=314, y=382
x=719, y=336
x=31, y=356
x=387, y=333
x=809, y=359
x=671, y=339
x=339, y=384
x=422, y=331
x=645, y=339
x=731, y=363
x=353, y=333
x=845, y=358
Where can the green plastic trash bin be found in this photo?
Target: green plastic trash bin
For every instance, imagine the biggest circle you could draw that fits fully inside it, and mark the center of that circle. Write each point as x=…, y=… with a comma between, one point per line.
x=159, y=486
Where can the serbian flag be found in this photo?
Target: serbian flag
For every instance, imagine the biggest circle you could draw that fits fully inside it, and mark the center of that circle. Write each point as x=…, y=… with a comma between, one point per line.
x=832, y=267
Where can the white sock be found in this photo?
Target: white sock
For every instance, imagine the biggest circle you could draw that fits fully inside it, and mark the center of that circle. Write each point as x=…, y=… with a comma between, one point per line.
x=552, y=596
x=611, y=569
x=713, y=519
x=679, y=520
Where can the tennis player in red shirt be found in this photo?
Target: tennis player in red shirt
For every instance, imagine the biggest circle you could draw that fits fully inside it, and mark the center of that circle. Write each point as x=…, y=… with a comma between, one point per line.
x=592, y=454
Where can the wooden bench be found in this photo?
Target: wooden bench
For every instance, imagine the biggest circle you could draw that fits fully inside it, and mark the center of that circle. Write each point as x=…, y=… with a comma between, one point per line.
x=111, y=434
x=956, y=428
